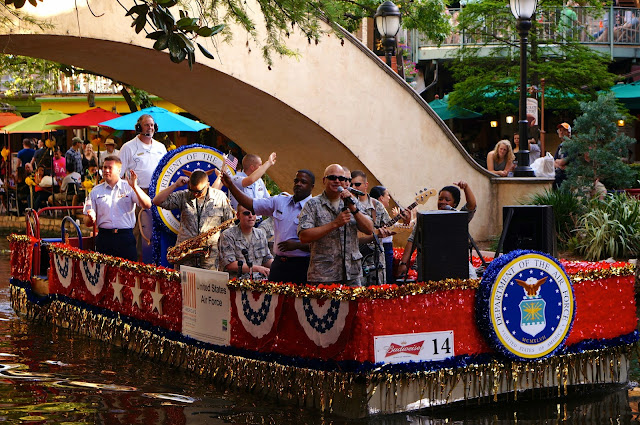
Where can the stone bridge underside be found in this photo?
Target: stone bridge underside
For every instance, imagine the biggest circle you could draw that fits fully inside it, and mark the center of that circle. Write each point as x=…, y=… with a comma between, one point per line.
x=336, y=102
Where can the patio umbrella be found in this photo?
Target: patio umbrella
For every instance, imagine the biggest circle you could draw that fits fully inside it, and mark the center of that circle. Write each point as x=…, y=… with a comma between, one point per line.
x=90, y=118
x=37, y=123
x=445, y=112
x=628, y=94
x=7, y=118
x=167, y=121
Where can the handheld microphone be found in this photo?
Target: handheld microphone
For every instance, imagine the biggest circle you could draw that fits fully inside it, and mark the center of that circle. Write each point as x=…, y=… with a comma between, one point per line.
x=449, y=208
x=240, y=264
x=245, y=253
x=347, y=201
x=356, y=191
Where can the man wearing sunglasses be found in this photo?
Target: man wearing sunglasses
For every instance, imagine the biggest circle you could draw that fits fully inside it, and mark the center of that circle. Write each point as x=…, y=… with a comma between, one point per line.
x=291, y=256
x=201, y=208
x=329, y=223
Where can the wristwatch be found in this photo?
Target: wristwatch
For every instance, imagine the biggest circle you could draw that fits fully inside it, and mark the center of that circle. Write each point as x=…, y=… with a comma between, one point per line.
x=355, y=212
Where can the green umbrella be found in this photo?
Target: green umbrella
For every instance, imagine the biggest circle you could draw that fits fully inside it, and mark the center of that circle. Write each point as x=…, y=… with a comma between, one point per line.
x=445, y=112
x=36, y=123
x=628, y=94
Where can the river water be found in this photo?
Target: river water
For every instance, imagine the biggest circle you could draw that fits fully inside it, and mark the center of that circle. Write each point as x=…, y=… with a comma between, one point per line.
x=51, y=376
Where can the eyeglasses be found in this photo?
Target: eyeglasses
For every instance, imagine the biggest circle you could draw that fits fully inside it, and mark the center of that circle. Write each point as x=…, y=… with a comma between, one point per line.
x=333, y=178
x=247, y=213
x=197, y=192
x=356, y=184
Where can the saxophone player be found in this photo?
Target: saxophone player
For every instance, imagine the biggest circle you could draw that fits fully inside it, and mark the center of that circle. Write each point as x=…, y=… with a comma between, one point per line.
x=202, y=207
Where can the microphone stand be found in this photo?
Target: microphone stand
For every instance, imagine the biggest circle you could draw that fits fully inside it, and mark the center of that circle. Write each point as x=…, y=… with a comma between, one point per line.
x=376, y=256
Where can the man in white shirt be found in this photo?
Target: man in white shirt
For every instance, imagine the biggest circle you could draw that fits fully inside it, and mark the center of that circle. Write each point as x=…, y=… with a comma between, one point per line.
x=142, y=155
x=111, y=205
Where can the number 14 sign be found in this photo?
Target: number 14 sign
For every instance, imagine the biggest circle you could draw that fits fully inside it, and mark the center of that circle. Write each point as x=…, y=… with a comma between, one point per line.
x=418, y=347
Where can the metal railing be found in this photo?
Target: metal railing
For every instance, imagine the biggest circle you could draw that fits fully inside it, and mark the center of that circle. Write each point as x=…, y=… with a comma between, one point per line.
x=613, y=26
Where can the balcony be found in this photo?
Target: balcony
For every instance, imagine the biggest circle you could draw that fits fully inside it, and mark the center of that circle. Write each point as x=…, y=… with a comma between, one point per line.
x=614, y=31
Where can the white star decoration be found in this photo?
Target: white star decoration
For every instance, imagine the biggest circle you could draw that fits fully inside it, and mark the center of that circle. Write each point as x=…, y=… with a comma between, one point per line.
x=157, y=298
x=117, y=289
x=136, y=291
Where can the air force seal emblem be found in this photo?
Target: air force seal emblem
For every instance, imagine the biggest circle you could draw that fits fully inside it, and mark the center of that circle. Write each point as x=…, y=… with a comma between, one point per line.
x=526, y=305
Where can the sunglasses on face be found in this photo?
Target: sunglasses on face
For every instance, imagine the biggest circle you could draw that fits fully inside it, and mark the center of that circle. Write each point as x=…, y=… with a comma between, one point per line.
x=197, y=192
x=247, y=213
x=356, y=184
x=333, y=178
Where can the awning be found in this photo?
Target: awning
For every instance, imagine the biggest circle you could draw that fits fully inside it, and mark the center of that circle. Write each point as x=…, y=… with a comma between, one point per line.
x=445, y=112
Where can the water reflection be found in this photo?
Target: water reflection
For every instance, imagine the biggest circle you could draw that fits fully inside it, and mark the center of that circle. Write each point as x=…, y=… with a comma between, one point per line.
x=49, y=375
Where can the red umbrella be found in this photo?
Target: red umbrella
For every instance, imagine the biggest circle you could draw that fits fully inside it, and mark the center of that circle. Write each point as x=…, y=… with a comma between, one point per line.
x=90, y=118
x=7, y=118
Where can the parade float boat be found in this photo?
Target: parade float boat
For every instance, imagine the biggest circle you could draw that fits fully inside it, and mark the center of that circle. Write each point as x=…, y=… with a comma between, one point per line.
x=532, y=324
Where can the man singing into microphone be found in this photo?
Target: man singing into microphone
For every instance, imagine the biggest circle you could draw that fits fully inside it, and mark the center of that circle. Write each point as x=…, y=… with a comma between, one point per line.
x=329, y=223
x=142, y=155
x=247, y=243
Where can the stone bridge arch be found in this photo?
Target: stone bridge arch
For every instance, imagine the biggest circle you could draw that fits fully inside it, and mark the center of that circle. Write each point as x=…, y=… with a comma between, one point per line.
x=336, y=102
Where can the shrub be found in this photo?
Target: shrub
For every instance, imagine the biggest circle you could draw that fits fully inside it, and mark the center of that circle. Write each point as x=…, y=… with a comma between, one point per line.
x=567, y=208
x=610, y=229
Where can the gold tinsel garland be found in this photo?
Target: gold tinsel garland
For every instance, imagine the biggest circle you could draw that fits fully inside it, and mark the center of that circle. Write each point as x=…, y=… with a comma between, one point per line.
x=344, y=293
x=330, y=390
x=94, y=257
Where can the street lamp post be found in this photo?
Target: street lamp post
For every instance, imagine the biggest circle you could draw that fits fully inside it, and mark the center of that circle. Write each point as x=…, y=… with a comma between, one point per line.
x=523, y=10
x=387, y=19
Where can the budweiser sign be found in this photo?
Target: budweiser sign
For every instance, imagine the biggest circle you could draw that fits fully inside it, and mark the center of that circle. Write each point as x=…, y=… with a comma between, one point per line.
x=413, y=349
x=417, y=347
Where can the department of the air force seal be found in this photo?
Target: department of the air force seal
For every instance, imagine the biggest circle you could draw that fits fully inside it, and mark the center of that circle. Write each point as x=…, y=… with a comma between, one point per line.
x=182, y=162
x=525, y=305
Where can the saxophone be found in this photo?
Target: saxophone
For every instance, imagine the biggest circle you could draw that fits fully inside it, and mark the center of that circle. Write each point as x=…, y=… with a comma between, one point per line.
x=197, y=245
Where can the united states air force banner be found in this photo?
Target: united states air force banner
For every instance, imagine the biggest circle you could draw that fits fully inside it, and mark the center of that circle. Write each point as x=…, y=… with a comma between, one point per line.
x=205, y=305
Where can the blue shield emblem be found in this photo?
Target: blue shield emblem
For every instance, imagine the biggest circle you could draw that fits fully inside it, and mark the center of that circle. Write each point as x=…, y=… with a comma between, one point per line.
x=532, y=317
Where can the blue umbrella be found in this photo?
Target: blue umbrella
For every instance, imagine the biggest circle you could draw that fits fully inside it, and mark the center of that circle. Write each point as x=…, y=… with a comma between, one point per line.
x=167, y=121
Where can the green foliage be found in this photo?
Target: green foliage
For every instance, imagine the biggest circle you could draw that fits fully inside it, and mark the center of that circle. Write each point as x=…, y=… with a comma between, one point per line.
x=29, y=75
x=596, y=148
x=567, y=209
x=272, y=187
x=175, y=30
x=489, y=83
x=610, y=229
x=635, y=168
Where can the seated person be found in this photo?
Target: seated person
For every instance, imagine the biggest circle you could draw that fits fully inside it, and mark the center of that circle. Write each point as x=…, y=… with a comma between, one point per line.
x=248, y=239
x=448, y=199
x=500, y=159
x=69, y=186
x=43, y=188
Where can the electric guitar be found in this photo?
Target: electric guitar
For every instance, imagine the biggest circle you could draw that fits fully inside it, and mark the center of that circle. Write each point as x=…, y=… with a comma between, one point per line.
x=420, y=199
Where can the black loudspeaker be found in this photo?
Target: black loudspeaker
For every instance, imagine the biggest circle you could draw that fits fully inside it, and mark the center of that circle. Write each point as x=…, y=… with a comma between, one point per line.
x=529, y=227
x=442, y=239
x=139, y=127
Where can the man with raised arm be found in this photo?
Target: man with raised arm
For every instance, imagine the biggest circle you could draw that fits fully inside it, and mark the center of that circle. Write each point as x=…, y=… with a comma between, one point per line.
x=111, y=205
x=202, y=207
x=291, y=261
x=329, y=223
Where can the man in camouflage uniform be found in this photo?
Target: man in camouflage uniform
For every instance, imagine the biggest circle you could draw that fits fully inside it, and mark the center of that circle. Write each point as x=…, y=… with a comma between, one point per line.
x=245, y=236
x=323, y=222
x=368, y=244
x=201, y=208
